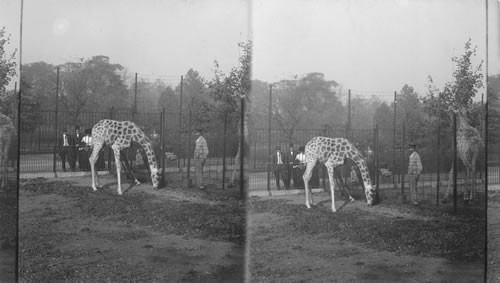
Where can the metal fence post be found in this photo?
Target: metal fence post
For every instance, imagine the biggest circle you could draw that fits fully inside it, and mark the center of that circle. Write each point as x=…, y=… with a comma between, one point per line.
x=242, y=148
x=109, y=151
x=402, y=174
x=188, y=173
x=270, y=113
x=455, y=162
x=377, y=149
x=394, y=140
x=162, y=145
x=56, y=121
x=224, y=153
x=438, y=164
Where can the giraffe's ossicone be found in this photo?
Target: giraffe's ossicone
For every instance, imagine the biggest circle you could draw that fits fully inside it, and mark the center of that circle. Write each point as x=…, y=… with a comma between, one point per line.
x=119, y=135
x=333, y=152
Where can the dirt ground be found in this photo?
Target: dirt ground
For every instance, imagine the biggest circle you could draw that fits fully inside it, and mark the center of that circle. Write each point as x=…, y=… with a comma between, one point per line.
x=384, y=243
x=67, y=232
x=8, y=244
x=494, y=236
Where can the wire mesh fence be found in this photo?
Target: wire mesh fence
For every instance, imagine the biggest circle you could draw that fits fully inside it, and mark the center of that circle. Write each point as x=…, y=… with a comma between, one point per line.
x=39, y=147
x=387, y=157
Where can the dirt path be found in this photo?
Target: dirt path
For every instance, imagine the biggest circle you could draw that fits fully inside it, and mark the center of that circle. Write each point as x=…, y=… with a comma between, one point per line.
x=96, y=249
x=303, y=256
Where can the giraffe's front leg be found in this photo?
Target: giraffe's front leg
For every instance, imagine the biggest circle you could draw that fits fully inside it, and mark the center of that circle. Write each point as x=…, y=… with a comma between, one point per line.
x=330, y=168
x=116, y=149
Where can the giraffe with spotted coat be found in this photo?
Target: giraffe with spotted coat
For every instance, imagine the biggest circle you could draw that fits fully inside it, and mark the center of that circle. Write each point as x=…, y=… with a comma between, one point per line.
x=333, y=152
x=119, y=135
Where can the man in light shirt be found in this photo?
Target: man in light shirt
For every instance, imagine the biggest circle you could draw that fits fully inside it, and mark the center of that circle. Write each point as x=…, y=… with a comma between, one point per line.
x=200, y=157
x=414, y=170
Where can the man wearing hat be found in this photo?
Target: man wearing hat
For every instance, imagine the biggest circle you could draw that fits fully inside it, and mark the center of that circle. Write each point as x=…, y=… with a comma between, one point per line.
x=278, y=160
x=65, y=143
x=200, y=156
x=289, y=172
x=414, y=170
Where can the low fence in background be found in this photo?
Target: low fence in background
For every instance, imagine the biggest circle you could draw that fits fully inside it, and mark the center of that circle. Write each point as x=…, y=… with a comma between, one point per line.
x=40, y=146
x=387, y=164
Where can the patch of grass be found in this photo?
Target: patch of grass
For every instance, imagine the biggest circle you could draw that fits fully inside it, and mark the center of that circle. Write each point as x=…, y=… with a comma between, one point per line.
x=455, y=237
x=224, y=221
x=41, y=260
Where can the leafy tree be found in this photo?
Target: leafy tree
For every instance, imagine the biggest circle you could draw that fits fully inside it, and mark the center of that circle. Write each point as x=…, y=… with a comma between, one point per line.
x=494, y=114
x=259, y=106
x=456, y=95
x=363, y=111
x=227, y=90
x=309, y=101
x=41, y=77
x=384, y=116
x=7, y=62
x=92, y=85
x=169, y=100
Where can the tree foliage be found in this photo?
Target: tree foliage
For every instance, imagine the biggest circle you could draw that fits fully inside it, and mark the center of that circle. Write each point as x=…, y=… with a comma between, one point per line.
x=494, y=109
x=227, y=90
x=7, y=62
x=92, y=85
x=309, y=101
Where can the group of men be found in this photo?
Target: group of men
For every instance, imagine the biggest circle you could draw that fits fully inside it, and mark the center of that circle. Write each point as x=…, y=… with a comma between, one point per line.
x=287, y=167
x=75, y=148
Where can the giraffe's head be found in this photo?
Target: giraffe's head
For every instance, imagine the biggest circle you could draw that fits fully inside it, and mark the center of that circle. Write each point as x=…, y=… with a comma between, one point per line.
x=370, y=194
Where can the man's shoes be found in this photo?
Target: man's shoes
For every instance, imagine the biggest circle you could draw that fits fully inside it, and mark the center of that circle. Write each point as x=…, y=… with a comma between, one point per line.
x=415, y=203
x=202, y=187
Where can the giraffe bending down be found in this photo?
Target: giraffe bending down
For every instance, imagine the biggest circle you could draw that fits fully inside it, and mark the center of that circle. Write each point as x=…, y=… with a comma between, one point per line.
x=7, y=132
x=469, y=144
x=119, y=135
x=333, y=152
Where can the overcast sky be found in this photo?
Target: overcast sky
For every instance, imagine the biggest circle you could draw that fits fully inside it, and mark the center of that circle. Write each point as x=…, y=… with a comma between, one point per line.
x=369, y=46
x=372, y=46
x=155, y=38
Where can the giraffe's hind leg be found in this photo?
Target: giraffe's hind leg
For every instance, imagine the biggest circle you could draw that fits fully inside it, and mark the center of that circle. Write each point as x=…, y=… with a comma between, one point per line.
x=342, y=185
x=92, y=160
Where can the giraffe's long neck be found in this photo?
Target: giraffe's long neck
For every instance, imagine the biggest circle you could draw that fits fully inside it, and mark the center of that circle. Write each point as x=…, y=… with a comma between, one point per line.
x=149, y=153
x=363, y=169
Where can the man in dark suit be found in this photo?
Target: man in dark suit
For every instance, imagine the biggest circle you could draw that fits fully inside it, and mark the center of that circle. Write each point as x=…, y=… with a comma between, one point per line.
x=66, y=142
x=278, y=159
x=289, y=172
x=77, y=152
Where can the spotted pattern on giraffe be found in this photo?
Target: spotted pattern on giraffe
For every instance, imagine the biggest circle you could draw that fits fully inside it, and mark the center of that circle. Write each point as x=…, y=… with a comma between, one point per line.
x=119, y=135
x=332, y=152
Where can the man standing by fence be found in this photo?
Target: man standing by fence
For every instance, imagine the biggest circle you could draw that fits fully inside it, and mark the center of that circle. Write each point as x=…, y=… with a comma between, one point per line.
x=200, y=157
x=278, y=163
x=65, y=151
x=289, y=172
x=414, y=170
